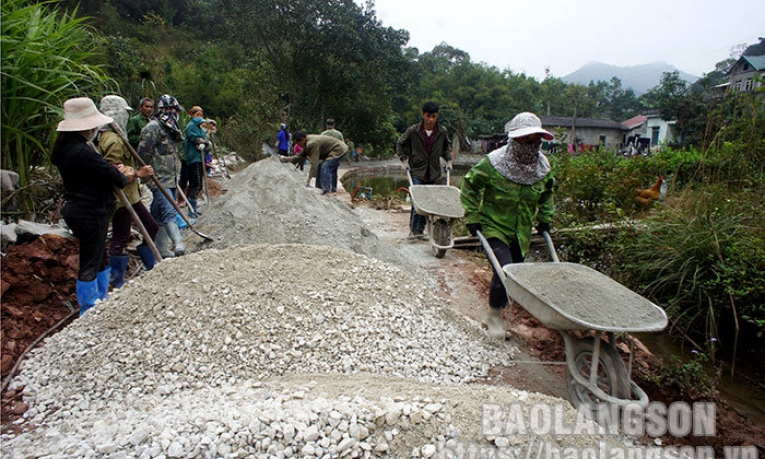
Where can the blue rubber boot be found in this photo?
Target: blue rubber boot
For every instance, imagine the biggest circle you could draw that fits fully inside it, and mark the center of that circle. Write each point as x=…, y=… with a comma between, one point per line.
x=147, y=256
x=87, y=294
x=118, y=263
x=102, y=283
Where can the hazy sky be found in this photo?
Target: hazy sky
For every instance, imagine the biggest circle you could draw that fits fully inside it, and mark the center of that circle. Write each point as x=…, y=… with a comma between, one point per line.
x=528, y=36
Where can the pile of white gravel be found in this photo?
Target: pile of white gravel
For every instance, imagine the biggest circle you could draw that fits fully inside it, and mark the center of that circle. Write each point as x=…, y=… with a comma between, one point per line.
x=269, y=351
x=268, y=203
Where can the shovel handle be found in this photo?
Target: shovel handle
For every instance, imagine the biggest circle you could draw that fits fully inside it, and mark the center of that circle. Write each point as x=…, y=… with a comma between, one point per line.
x=137, y=220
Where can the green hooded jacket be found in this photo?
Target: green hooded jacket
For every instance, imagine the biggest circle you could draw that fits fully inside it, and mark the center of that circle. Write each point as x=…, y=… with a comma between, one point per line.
x=505, y=209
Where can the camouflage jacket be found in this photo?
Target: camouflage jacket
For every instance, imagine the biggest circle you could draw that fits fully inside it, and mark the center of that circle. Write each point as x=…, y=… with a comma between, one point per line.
x=159, y=150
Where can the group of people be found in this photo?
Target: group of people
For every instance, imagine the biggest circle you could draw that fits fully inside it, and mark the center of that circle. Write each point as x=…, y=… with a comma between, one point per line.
x=503, y=194
x=105, y=154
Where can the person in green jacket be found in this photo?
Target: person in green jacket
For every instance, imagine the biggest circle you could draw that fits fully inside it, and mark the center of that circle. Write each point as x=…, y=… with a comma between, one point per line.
x=195, y=145
x=502, y=195
x=136, y=124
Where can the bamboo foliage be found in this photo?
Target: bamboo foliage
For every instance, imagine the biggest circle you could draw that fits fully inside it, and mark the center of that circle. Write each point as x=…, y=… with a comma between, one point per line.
x=45, y=55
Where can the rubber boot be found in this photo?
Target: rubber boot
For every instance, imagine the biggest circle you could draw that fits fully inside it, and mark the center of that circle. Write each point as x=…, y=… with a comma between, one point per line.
x=162, y=241
x=147, y=256
x=102, y=283
x=495, y=323
x=175, y=236
x=118, y=263
x=87, y=294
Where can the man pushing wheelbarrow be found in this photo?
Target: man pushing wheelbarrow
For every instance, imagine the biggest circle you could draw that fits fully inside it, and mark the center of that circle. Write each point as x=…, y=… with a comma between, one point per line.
x=421, y=148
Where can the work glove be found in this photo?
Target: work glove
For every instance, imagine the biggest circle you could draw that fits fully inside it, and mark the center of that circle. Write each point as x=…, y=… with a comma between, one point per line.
x=201, y=147
x=474, y=228
x=543, y=227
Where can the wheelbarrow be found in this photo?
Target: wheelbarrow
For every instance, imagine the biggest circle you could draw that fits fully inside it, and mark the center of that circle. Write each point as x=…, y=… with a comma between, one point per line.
x=568, y=297
x=441, y=206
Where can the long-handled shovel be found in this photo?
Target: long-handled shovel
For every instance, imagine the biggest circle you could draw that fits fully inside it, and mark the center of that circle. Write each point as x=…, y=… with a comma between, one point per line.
x=204, y=178
x=146, y=238
x=156, y=181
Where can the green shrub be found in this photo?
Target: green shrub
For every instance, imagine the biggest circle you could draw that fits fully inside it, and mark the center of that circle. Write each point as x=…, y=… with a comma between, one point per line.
x=703, y=258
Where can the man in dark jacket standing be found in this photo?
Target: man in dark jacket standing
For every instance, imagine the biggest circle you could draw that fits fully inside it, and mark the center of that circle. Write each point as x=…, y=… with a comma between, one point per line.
x=420, y=148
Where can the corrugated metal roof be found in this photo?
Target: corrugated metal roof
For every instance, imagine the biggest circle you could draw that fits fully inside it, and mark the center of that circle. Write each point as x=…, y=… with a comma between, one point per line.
x=567, y=122
x=758, y=62
x=635, y=121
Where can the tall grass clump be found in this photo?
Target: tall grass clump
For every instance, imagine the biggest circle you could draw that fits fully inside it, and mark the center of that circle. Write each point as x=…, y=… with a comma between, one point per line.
x=45, y=54
x=702, y=257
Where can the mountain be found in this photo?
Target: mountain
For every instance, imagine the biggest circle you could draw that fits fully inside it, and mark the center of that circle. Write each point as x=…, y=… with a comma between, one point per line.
x=640, y=78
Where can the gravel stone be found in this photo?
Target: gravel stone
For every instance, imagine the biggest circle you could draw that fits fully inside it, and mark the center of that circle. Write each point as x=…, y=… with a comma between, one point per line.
x=325, y=347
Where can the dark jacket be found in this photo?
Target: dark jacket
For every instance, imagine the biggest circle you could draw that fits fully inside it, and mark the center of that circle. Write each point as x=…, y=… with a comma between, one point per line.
x=411, y=144
x=89, y=180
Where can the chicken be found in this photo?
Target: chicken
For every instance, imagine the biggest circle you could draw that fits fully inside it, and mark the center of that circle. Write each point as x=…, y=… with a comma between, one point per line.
x=645, y=198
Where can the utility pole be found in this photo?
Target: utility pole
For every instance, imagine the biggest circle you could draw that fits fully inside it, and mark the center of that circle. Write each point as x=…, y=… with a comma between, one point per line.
x=573, y=122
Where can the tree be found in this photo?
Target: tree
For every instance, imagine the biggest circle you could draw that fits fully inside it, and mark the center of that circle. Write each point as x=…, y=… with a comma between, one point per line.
x=676, y=101
x=329, y=57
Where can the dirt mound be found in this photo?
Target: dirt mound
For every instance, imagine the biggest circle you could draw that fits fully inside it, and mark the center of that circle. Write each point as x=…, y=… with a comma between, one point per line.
x=38, y=282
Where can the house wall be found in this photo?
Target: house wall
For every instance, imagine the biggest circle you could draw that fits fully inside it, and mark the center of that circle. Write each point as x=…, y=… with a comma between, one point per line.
x=665, y=133
x=591, y=136
x=744, y=81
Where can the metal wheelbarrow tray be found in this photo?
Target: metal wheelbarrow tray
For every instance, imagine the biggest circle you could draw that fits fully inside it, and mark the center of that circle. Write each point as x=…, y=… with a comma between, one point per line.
x=441, y=206
x=569, y=296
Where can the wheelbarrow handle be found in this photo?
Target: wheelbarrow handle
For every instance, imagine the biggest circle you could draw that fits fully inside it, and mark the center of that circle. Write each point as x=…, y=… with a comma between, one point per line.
x=490, y=255
x=550, y=246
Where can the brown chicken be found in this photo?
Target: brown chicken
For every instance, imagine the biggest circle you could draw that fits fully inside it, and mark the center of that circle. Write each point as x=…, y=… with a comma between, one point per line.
x=645, y=198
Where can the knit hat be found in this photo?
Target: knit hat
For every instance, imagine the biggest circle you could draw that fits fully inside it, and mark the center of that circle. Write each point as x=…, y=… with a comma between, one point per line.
x=80, y=114
x=527, y=123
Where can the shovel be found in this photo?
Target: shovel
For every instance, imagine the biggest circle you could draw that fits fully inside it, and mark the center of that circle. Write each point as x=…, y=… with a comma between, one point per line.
x=156, y=181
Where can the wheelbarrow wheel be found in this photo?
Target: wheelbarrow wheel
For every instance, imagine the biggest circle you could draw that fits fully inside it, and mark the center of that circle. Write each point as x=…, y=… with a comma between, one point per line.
x=441, y=237
x=612, y=374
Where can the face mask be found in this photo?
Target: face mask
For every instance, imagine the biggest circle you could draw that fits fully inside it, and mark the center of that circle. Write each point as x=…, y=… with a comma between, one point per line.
x=198, y=119
x=526, y=153
x=91, y=134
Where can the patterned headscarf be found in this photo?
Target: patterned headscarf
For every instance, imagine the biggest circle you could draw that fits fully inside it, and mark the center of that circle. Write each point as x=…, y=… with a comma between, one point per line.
x=167, y=115
x=520, y=162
